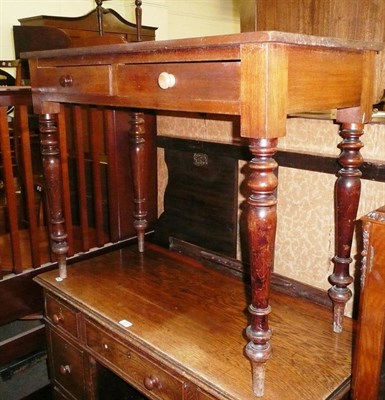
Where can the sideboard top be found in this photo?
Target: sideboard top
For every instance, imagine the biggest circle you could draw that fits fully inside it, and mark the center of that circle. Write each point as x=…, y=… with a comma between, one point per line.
x=230, y=40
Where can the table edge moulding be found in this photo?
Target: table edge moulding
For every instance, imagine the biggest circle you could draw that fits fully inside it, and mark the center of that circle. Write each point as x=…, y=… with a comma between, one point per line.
x=260, y=76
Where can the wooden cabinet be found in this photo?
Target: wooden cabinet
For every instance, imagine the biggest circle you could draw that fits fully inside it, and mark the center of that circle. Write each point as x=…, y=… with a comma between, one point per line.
x=169, y=327
x=53, y=32
x=368, y=358
x=75, y=339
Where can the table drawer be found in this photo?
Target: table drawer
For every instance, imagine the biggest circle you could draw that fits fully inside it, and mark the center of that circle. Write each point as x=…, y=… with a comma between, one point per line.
x=205, y=86
x=204, y=396
x=68, y=366
x=77, y=80
x=59, y=395
x=62, y=315
x=149, y=378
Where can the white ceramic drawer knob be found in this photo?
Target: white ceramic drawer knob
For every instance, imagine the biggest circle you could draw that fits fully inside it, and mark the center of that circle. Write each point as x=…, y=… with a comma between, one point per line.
x=166, y=80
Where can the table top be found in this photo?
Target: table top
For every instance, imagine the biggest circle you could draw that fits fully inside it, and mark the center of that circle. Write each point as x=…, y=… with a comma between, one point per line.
x=230, y=40
x=261, y=76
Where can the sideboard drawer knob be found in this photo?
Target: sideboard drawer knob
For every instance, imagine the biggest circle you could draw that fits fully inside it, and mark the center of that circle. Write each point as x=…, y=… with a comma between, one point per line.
x=151, y=382
x=166, y=80
x=57, y=318
x=66, y=81
x=65, y=369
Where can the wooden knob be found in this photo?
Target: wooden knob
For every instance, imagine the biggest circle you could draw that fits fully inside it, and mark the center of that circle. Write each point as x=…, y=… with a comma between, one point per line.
x=57, y=318
x=166, y=80
x=66, y=81
x=151, y=382
x=65, y=369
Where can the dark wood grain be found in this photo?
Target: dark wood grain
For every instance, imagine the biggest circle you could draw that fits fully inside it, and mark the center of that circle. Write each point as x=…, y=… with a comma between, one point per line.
x=200, y=200
x=347, y=195
x=369, y=350
x=370, y=169
x=190, y=320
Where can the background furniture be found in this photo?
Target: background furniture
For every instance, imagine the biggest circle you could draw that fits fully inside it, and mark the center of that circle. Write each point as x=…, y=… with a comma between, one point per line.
x=368, y=371
x=94, y=216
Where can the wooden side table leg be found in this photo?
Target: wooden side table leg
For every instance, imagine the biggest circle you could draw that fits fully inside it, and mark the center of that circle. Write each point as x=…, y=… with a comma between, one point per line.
x=262, y=221
x=138, y=157
x=347, y=195
x=53, y=180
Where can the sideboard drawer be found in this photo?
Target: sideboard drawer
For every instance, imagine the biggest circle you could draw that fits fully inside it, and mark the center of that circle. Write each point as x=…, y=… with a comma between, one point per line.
x=59, y=395
x=68, y=366
x=62, y=315
x=149, y=378
x=67, y=80
x=187, y=85
x=204, y=396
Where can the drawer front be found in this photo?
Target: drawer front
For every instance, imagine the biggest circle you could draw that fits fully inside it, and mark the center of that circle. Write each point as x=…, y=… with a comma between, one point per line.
x=79, y=80
x=205, y=86
x=58, y=395
x=62, y=315
x=140, y=372
x=204, y=396
x=68, y=366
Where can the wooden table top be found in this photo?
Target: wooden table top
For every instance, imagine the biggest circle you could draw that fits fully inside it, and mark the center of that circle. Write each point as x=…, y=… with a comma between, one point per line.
x=192, y=317
x=261, y=76
x=230, y=40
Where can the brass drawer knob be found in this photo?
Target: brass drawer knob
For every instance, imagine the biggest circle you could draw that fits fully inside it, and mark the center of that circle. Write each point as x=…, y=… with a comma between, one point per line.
x=151, y=382
x=66, y=81
x=65, y=369
x=166, y=80
x=57, y=318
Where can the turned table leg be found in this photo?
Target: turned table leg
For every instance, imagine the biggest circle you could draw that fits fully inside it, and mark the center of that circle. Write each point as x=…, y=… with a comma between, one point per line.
x=347, y=195
x=53, y=185
x=138, y=155
x=262, y=221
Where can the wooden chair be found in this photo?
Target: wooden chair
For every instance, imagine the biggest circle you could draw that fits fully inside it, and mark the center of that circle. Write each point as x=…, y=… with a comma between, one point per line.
x=369, y=347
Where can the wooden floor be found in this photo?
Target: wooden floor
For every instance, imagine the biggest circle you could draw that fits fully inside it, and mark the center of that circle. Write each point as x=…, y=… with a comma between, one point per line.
x=194, y=317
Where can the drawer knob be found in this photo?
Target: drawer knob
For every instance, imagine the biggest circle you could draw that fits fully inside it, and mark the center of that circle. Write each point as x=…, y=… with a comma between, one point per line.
x=65, y=369
x=166, y=80
x=151, y=382
x=57, y=318
x=66, y=81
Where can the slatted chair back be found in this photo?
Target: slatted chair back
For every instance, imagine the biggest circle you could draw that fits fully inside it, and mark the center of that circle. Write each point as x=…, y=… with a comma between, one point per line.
x=23, y=242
